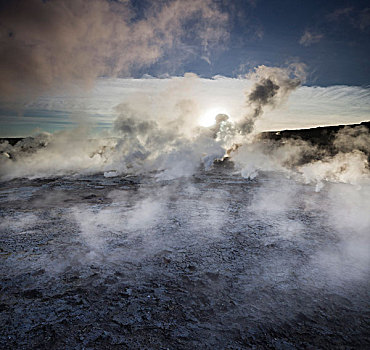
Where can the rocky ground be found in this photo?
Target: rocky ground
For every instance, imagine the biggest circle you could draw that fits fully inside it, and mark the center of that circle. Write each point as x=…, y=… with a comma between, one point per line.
x=212, y=262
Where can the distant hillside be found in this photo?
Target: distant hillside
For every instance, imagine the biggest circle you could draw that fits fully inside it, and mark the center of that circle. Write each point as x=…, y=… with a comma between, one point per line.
x=321, y=136
x=329, y=140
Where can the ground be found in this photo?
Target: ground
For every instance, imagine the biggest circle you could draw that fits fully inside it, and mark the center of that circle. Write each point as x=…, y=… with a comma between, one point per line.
x=89, y=262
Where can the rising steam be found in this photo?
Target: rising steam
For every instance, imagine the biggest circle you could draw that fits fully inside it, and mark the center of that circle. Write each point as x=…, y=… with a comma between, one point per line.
x=161, y=135
x=272, y=87
x=50, y=45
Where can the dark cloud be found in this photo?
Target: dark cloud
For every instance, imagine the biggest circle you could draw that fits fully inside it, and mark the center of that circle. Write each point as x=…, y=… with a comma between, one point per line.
x=263, y=92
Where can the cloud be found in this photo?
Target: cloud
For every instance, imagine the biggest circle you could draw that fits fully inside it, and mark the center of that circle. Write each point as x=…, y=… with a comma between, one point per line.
x=252, y=3
x=317, y=106
x=259, y=32
x=309, y=38
x=306, y=106
x=339, y=13
x=46, y=45
x=364, y=19
x=359, y=19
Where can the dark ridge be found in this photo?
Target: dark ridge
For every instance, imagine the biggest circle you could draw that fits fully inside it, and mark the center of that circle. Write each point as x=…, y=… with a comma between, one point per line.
x=322, y=136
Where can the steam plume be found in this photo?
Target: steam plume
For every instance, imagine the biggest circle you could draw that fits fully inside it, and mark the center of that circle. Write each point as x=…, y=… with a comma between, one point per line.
x=46, y=45
x=272, y=88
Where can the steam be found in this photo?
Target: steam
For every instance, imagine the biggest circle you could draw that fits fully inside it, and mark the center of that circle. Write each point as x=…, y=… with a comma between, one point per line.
x=159, y=134
x=349, y=164
x=63, y=153
x=50, y=45
x=149, y=221
x=272, y=88
x=357, y=138
x=346, y=213
x=349, y=168
x=19, y=224
x=298, y=159
x=163, y=145
x=139, y=144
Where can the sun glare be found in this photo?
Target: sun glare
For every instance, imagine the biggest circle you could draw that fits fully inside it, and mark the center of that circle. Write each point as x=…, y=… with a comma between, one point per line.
x=208, y=118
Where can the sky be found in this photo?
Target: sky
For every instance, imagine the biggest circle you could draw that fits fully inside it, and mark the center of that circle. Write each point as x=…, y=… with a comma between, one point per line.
x=64, y=62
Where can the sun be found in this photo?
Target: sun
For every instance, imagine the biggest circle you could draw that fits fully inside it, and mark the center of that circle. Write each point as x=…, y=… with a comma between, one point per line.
x=208, y=118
